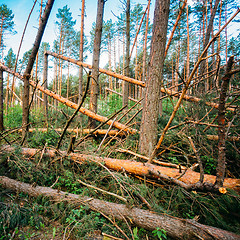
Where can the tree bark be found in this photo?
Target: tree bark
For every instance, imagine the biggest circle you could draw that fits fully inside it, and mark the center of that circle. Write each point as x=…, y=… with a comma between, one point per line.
x=208, y=33
x=176, y=228
x=95, y=63
x=221, y=166
x=27, y=73
x=136, y=168
x=148, y=130
x=1, y=100
x=125, y=84
x=110, y=73
x=81, y=52
x=45, y=82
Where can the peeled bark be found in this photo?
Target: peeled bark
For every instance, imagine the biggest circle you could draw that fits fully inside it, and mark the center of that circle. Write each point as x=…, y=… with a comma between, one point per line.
x=176, y=228
x=136, y=168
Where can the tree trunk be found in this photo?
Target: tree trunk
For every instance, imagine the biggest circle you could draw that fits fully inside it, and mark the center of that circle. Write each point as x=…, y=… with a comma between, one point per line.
x=45, y=76
x=27, y=73
x=125, y=84
x=81, y=52
x=148, y=130
x=208, y=33
x=1, y=100
x=221, y=166
x=72, y=104
x=110, y=73
x=95, y=63
x=176, y=228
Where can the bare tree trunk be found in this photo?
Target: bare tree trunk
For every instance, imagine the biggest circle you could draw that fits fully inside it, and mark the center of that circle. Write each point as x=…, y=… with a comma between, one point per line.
x=45, y=76
x=81, y=53
x=95, y=62
x=148, y=130
x=25, y=116
x=126, y=84
x=7, y=94
x=221, y=166
x=1, y=100
x=208, y=33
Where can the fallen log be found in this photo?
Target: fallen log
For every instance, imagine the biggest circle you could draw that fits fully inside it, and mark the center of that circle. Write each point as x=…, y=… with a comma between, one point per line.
x=136, y=168
x=215, y=138
x=110, y=73
x=176, y=228
x=79, y=131
x=137, y=82
x=69, y=103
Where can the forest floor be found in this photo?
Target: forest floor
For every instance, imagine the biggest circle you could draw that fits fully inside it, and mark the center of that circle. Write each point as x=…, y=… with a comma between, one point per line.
x=26, y=217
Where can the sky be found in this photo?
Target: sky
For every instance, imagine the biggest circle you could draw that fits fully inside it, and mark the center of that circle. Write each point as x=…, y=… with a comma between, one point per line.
x=21, y=9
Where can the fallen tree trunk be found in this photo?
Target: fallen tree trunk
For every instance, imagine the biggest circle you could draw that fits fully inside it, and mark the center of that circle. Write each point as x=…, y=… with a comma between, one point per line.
x=69, y=103
x=176, y=228
x=215, y=138
x=78, y=131
x=110, y=73
x=135, y=168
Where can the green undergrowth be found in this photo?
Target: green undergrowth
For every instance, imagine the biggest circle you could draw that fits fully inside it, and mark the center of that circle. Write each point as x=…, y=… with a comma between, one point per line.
x=19, y=210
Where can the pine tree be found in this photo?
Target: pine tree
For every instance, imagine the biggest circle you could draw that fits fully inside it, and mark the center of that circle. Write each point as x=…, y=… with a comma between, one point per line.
x=6, y=24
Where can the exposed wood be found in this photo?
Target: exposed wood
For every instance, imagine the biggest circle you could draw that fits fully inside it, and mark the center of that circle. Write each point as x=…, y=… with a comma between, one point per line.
x=229, y=138
x=146, y=158
x=176, y=228
x=134, y=81
x=110, y=73
x=69, y=103
x=133, y=167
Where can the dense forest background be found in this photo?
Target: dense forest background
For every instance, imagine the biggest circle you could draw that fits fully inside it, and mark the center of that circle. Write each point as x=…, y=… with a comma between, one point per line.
x=155, y=129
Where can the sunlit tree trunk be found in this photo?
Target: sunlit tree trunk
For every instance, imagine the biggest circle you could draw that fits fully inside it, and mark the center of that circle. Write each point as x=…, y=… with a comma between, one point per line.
x=81, y=52
x=95, y=62
x=148, y=130
x=25, y=115
x=126, y=84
